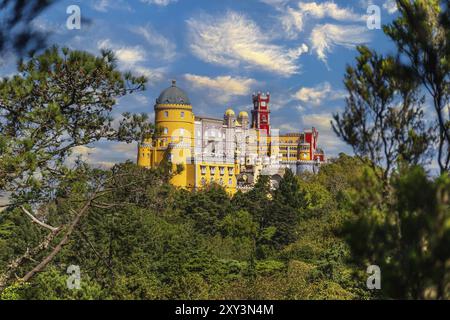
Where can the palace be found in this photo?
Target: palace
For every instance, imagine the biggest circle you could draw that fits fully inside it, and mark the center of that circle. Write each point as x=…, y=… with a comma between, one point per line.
x=233, y=151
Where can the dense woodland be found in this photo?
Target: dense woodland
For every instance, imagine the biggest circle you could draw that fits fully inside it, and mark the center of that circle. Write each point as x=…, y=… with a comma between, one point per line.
x=134, y=236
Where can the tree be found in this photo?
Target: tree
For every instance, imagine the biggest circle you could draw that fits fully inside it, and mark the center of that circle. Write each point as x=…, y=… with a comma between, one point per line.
x=422, y=33
x=383, y=119
x=16, y=33
x=81, y=194
x=60, y=100
x=407, y=237
x=288, y=202
x=207, y=208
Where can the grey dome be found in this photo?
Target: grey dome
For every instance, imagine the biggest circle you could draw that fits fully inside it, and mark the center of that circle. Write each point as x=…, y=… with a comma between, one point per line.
x=173, y=95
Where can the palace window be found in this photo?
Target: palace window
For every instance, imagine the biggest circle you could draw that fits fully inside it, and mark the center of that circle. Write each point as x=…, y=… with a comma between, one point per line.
x=203, y=182
x=230, y=181
x=203, y=169
x=166, y=114
x=212, y=179
x=182, y=114
x=222, y=171
x=166, y=131
x=230, y=171
x=213, y=170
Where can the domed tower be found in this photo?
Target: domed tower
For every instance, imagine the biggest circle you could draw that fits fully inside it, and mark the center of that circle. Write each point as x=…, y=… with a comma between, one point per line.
x=174, y=133
x=174, y=119
x=243, y=119
x=230, y=118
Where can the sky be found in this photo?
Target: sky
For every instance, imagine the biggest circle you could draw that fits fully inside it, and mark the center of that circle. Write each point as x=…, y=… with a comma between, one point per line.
x=221, y=51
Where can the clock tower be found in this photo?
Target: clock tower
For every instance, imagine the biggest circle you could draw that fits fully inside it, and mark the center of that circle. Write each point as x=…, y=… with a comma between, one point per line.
x=261, y=112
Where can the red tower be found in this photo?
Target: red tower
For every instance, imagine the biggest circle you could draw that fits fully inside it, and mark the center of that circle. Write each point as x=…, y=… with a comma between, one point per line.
x=261, y=112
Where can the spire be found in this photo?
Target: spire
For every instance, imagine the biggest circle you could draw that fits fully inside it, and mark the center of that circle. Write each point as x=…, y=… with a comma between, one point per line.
x=174, y=83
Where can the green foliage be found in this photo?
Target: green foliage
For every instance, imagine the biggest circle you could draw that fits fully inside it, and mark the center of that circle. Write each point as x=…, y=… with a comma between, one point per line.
x=406, y=236
x=159, y=242
x=421, y=34
x=59, y=100
x=383, y=120
x=52, y=285
x=239, y=225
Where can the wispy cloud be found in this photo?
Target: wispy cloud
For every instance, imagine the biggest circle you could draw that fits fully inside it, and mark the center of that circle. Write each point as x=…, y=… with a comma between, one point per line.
x=293, y=19
x=327, y=138
x=223, y=88
x=161, y=3
x=105, y=5
x=161, y=46
x=234, y=40
x=103, y=154
x=133, y=58
x=324, y=37
x=316, y=95
x=390, y=6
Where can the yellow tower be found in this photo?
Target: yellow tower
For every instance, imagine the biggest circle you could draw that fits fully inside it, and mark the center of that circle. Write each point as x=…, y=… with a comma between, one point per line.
x=174, y=138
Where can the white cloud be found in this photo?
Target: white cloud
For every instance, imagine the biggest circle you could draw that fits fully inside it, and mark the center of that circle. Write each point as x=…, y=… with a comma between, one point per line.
x=105, y=5
x=132, y=58
x=102, y=5
x=233, y=40
x=325, y=37
x=318, y=94
x=223, y=88
x=162, y=47
x=161, y=3
x=104, y=154
x=153, y=75
x=275, y=3
x=321, y=121
x=328, y=140
x=130, y=55
x=293, y=19
x=127, y=55
x=83, y=153
x=390, y=6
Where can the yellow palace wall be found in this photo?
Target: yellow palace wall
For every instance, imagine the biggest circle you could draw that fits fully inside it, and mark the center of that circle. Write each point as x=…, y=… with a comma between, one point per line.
x=175, y=127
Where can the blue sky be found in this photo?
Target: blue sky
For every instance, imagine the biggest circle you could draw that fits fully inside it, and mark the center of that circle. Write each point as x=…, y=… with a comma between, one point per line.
x=221, y=51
